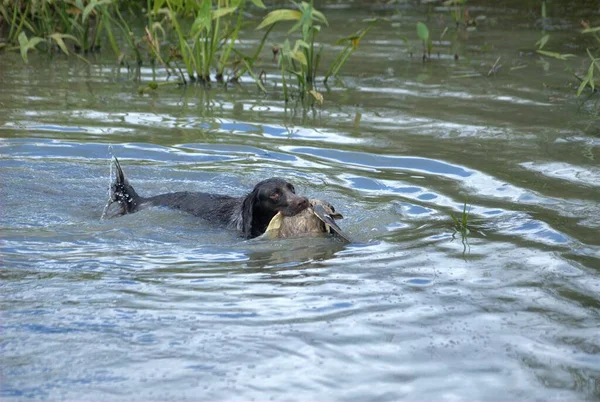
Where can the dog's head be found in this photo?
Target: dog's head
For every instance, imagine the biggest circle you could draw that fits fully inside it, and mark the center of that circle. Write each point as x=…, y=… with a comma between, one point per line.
x=267, y=199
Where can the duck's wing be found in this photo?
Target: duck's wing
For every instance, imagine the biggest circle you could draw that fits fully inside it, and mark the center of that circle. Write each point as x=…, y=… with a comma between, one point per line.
x=322, y=213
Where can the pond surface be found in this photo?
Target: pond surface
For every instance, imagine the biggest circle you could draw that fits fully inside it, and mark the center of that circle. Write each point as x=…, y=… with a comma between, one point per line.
x=161, y=306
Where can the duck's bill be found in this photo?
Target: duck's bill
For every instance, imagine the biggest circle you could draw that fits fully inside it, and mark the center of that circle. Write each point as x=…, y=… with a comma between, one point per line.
x=329, y=221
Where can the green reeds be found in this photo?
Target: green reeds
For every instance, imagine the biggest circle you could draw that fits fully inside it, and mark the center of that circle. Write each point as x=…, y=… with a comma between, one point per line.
x=462, y=227
x=210, y=42
x=301, y=61
x=68, y=26
x=351, y=43
x=461, y=223
x=423, y=34
x=589, y=80
x=205, y=49
x=457, y=11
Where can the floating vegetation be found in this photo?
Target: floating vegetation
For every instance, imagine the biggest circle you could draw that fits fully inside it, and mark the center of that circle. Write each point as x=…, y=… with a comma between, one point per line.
x=153, y=85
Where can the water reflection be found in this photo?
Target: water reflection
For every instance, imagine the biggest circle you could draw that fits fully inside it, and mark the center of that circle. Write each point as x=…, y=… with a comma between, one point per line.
x=366, y=160
x=293, y=253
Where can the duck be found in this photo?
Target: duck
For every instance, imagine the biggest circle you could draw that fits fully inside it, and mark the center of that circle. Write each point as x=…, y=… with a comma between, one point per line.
x=318, y=219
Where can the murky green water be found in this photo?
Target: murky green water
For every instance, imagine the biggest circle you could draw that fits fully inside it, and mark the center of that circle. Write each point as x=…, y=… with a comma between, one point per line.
x=160, y=306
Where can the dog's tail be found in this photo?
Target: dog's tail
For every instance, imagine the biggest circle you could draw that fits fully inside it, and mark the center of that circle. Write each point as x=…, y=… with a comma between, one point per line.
x=123, y=193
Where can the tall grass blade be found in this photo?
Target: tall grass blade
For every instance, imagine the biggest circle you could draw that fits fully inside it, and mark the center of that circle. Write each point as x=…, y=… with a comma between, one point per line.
x=221, y=12
x=233, y=37
x=19, y=28
x=59, y=39
x=284, y=82
x=184, y=48
x=278, y=16
x=106, y=21
x=555, y=55
x=256, y=79
x=252, y=59
x=342, y=58
x=258, y=3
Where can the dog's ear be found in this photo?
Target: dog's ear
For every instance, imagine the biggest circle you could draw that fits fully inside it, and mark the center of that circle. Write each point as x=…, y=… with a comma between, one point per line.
x=247, y=213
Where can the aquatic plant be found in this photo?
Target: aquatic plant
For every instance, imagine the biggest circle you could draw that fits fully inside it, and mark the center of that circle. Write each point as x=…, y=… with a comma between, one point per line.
x=458, y=11
x=546, y=38
x=208, y=44
x=461, y=224
x=589, y=80
x=351, y=43
x=70, y=26
x=423, y=34
x=203, y=50
x=462, y=227
x=301, y=61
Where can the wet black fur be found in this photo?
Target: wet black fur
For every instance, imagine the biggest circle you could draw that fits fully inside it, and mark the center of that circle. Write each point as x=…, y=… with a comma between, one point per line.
x=250, y=215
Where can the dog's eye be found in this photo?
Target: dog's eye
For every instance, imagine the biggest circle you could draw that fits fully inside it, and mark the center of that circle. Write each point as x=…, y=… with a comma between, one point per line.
x=275, y=196
x=291, y=188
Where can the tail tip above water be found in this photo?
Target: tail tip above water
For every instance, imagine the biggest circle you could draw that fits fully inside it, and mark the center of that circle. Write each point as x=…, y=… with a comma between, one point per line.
x=120, y=176
x=121, y=192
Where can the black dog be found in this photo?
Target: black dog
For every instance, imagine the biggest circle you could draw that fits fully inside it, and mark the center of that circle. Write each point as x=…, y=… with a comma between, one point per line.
x=250, y=214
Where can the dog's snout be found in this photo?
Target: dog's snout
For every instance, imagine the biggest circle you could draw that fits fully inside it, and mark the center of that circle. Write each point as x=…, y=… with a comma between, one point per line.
x=296, y=205
x=301, y=203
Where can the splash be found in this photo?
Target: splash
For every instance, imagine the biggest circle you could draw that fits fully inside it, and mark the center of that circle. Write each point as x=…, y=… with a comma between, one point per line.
x=111, y=179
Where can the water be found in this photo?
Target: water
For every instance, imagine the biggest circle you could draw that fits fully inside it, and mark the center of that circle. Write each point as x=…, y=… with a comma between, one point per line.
x=160, y=306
